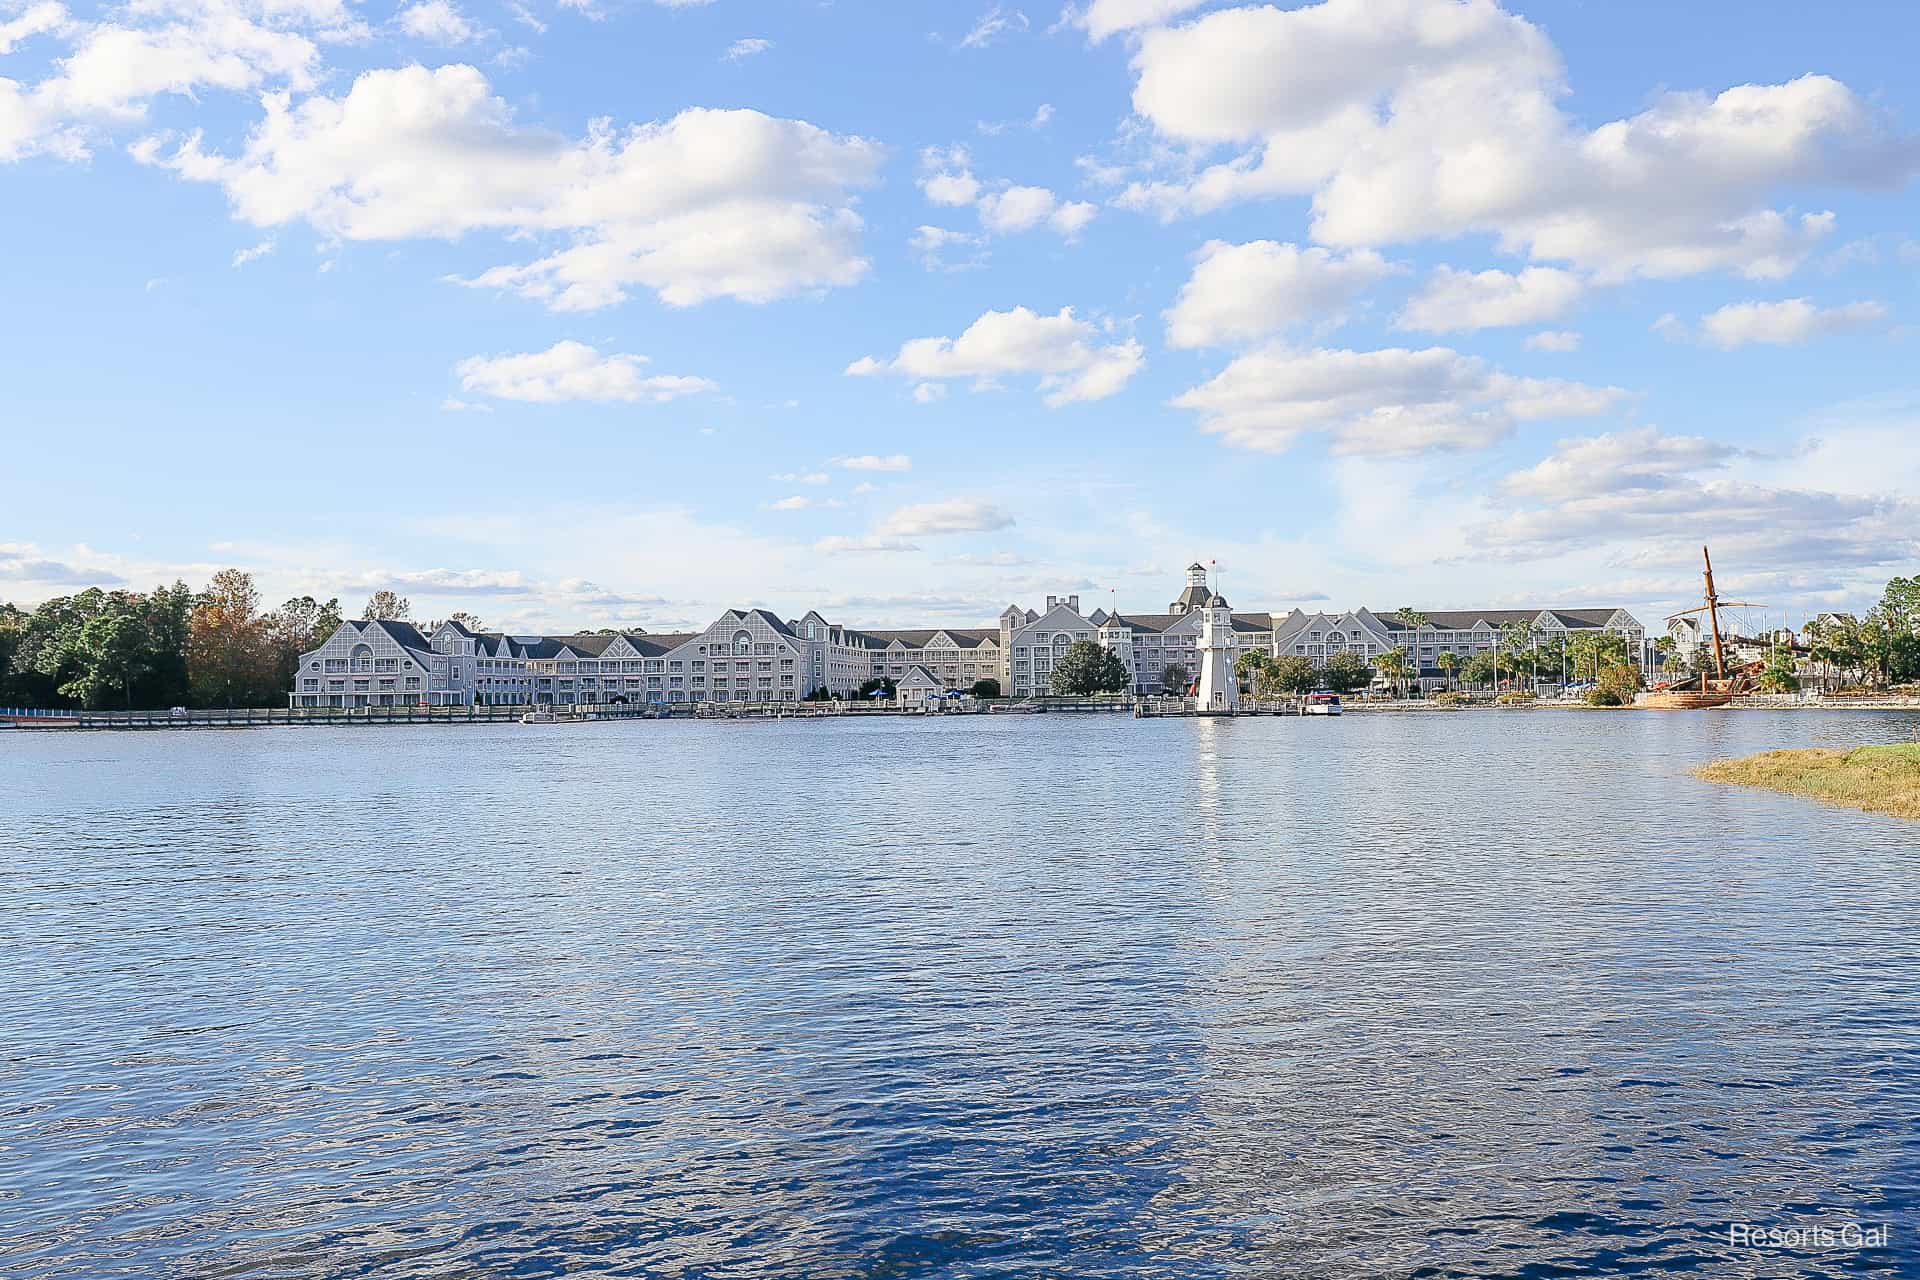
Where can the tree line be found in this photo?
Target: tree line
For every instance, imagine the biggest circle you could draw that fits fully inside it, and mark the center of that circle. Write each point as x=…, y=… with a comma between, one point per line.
x=168, y=647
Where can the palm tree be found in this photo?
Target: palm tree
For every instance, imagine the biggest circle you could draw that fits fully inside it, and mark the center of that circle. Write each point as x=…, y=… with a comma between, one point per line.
x=1414, y=620
x=1516, y=637
x=1448, y=662
x=1393, y=665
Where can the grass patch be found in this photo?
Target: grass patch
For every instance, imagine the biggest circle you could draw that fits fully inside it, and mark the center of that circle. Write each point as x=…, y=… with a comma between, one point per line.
x=1880, y=779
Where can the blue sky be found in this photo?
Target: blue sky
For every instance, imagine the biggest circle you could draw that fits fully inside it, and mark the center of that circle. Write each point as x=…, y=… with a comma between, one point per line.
x=622, y=312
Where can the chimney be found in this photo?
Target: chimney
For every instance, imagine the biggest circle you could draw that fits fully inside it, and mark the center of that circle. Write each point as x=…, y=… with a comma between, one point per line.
x=1073, y=602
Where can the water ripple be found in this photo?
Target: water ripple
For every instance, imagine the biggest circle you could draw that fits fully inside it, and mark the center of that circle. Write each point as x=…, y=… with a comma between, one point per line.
x=1452, y=996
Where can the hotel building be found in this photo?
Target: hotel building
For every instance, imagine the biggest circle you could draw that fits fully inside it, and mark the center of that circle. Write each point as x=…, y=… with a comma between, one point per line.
x=755, y=656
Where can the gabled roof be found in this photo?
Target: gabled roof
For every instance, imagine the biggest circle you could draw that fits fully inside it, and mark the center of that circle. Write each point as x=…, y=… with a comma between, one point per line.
x=589, y=646
x=962, y=637
x=653, y=646
x=1468, y=619
x=403, y=634
x=773, y=621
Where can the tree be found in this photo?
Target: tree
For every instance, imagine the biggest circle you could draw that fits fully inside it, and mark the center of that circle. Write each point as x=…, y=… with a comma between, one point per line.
x=1345, y=672
x=1593, y=651
x=386, y=606
x=1615, y=686
x=299, y=626
x=1393, y=666
x=1088, y=668
x=1481, y=668
x=988, y=688
x=1516, y=649
x=13, y=634
x=1448, y=662
x=113, y=652
x=228, y=659
x=1175, y=679
x=1249, y=668
x=1291, y=674
x=1780, y=675
x=466, y=620
x=876, y=684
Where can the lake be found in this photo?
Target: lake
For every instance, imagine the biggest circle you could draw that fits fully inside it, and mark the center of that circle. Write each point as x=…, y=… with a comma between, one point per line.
x=1478, y=994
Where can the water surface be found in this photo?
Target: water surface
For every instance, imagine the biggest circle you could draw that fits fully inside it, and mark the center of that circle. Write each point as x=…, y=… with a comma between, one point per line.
x=1482, y=994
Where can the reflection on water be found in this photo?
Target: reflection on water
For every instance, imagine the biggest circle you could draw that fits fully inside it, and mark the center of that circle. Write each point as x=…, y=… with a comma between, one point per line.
x=1449, y=995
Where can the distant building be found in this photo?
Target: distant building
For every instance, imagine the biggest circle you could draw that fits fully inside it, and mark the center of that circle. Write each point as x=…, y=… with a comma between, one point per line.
x=755, y=656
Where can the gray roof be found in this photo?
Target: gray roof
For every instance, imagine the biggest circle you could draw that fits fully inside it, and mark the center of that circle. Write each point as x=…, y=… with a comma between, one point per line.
x=963, y=637
x=403, y=634
x=1465, y=619
x=654, y=646
x=1161, y=621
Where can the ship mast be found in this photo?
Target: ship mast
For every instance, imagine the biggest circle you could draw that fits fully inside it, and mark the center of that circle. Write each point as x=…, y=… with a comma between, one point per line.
x=1713, y=615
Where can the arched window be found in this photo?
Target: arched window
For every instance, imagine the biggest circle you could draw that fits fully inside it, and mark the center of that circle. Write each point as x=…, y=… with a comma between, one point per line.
x=743, y=642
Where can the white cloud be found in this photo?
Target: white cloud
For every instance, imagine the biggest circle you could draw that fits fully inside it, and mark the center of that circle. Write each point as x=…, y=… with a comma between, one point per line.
x=1784, y=323
x=709, y=204
x=1015, y=208
x=951, y=189
x=439, y=21
x=1393, y=401
x=1641, y=492
x=241, y=257
x=1103, y=18
x=25, y=562
x=1068, y=355
x=746, y=48
x=462, y=582
x=453, y=404
x=1243, y=291
x=1072, y=218
x=993, y=24
x=932, y=244
x=1561, y=340
x=36, y=19
x=928, y=392
x=801, y=502
x=158, y=47
x=953, y=515
x=840, y=544
x=1453, y=301
x=803, y=477
x=1006, y=208
x=1434, y=118
x=572, y=371
x=1587, y=465
x=875, y=462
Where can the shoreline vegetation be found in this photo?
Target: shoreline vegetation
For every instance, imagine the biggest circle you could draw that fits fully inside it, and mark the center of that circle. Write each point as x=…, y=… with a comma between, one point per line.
x=1882, y=779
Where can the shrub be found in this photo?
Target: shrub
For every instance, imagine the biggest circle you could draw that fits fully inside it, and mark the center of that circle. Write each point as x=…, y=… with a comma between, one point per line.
x=1604, y=697
x=986, y=689
x=1517, y=698
x=1448, y=699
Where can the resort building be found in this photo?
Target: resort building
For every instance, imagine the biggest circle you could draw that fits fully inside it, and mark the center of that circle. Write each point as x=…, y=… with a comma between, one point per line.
x=755, y=656
x=1461, y=632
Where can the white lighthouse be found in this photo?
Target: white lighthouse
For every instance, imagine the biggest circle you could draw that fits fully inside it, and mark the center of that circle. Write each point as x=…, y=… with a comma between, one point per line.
x=1218, y=691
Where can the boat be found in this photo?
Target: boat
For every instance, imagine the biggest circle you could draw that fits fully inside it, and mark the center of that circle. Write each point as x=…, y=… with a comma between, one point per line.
x=1704, y=692
x=554, y=717
x=1320, y=704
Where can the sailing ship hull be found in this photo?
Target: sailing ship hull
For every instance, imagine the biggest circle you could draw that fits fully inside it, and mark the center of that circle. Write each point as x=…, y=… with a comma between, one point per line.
x=1683, y=700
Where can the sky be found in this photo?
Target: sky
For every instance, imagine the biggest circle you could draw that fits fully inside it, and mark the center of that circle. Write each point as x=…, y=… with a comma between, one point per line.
x=589, y=313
